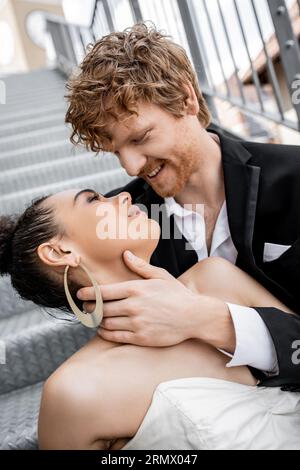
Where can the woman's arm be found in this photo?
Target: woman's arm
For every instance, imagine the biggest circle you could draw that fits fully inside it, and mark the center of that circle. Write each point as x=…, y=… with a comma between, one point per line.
x=217, y=277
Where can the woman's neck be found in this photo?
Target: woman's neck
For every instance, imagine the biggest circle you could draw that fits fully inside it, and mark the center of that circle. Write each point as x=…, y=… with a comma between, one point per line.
x=111, y=272
x=117, y=271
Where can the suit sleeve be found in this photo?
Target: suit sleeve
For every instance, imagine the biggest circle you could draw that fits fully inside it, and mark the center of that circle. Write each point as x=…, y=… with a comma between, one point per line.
x=285, y=332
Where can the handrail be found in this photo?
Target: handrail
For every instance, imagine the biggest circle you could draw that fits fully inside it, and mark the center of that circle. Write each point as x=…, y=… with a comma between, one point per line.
x=70, y=42
x=56, y=18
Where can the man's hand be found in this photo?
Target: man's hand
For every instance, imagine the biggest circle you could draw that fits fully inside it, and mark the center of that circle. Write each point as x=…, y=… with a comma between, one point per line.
x=156, y=311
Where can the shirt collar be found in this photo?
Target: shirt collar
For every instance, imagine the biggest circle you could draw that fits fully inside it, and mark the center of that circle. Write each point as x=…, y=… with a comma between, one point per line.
x=221, y=231
x=172, y=207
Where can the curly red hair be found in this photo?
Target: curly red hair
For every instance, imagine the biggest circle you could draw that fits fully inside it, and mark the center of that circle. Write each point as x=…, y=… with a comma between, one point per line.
x=122, y=69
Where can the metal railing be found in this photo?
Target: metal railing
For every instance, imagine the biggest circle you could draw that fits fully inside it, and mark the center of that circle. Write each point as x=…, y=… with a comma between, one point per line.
x=70, y=42
x=246, y=52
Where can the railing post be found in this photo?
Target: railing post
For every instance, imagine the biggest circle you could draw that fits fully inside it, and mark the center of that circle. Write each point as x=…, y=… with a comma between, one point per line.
x=65, y=54
x=136, y=10
x=68, y=44
x=289, y=46
x=108, y=15
x=194, y=38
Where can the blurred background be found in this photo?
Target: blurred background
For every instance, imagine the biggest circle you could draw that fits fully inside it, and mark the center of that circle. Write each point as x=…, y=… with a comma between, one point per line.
x=244, y=51
x=247, y=57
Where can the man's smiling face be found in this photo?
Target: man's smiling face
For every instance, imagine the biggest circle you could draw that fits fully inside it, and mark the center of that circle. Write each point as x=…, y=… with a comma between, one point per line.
x=157, y=146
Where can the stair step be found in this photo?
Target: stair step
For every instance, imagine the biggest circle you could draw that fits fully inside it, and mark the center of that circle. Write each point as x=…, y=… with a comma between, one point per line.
x=40, y=122
x=20, y=179
x=36, y=76
x=21, y=86
x=17, y=201
x=27, y=139
x=40, y=153
x=11, y=304
x=17, y=116
x=31, y=357
x=19, y=418
x=16, y=93
x=16, y=98
x=19, y=323
x=32, y=105
x=33, y=354
x=36, y=158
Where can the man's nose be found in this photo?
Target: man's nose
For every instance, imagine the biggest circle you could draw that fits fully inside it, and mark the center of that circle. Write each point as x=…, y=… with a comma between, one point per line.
x=132, y=162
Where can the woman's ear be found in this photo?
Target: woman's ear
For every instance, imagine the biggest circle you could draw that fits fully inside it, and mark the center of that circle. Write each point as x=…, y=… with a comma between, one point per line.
x=191, y=104
x=54, y=254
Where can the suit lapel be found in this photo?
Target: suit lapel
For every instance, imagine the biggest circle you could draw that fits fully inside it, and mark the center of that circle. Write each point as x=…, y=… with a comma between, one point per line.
x=241, y=188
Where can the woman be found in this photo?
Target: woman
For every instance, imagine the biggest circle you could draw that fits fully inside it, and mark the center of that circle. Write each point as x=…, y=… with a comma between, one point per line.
x=121, y=396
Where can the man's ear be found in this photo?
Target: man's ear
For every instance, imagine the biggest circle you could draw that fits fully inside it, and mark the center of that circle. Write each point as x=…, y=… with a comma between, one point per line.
x=56, y=254
x=191, y=104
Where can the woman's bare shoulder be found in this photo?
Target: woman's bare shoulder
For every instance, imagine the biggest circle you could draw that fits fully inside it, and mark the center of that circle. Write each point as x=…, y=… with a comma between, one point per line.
x=90, y=398
x=73, y=414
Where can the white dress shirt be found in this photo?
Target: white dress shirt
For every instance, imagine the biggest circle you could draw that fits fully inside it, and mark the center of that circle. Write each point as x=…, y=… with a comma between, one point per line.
x=254, y=345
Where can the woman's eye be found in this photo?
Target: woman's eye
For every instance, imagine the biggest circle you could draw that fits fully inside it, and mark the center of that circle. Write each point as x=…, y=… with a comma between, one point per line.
x=94, y=197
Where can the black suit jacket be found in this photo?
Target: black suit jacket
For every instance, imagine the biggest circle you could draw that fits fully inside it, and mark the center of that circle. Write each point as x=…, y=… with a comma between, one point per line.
x=262, y=187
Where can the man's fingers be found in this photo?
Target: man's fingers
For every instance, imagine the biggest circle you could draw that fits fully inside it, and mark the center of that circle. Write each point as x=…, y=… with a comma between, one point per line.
x=123, y=290
x=119, y=291
x=89, y=307
x=117, y=323
x=144, y=269
x=110, y=309
x=109, y=292
x=126, y=337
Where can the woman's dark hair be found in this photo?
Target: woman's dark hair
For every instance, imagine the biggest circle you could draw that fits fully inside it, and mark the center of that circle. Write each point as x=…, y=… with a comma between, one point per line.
x=19, y=240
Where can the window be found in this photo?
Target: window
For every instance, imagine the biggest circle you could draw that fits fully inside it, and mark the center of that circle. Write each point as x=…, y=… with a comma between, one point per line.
x=36, y=28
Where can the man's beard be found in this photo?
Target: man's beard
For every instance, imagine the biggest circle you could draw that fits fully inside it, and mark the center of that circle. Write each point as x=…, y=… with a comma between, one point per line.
x=183, y=171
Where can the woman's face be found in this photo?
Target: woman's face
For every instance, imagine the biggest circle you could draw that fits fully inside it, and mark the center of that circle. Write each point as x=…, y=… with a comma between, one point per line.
x=100, y=229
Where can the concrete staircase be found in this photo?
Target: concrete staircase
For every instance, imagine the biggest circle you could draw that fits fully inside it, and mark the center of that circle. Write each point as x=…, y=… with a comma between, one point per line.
x=36, y=159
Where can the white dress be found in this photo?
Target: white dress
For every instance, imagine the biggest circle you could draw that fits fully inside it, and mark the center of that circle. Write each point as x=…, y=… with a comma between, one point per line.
x=204, y=414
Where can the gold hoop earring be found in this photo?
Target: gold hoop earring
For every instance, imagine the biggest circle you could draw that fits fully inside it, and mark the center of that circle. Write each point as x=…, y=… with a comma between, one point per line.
x=91, y=320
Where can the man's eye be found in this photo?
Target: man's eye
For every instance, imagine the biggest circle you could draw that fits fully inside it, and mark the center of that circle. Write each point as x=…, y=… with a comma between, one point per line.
x=142, y=139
